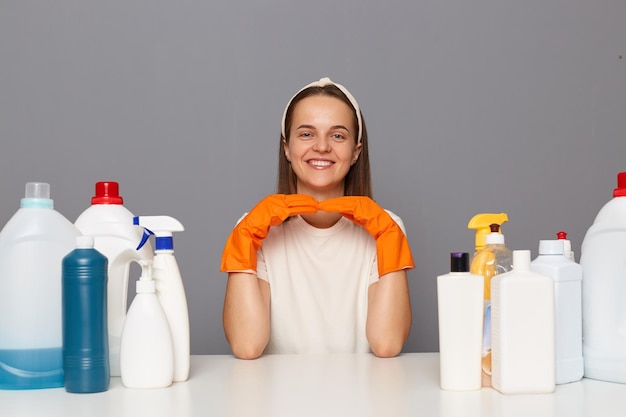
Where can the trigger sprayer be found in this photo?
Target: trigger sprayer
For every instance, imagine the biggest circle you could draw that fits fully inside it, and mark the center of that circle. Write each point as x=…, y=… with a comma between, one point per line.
x=482, y=224
x=169, y=285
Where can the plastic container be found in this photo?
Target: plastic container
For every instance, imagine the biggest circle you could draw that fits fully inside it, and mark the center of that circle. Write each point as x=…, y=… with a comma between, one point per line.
x=494, y=258
x=85, y=337
x=32, y=245
x=603, y=261
x=567, y=277
x=522, y=329
x=169, y=287
x=460, y=307
x=146, y=350
x=115, y=236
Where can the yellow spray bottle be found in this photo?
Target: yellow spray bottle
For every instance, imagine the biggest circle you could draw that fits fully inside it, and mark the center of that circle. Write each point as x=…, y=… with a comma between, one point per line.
x=492, y=257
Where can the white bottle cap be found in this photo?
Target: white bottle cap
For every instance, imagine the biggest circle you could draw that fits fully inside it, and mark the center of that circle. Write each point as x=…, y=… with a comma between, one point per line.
x=521, y=260
x=494, y=239
x=37, y=190
x=551, y=247
x=84, y=242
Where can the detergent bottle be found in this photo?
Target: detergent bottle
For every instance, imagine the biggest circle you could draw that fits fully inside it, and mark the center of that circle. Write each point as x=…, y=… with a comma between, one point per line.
x=169, y=286
x=522, y=333
x=492, y=257
x=603, y=261
x=111, y=225
x=85, y=343
x=567, y=277
x=32, y=246
x=146, y=350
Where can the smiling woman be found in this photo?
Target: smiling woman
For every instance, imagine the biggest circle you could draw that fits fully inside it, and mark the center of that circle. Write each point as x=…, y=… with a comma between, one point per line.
x=319, y=267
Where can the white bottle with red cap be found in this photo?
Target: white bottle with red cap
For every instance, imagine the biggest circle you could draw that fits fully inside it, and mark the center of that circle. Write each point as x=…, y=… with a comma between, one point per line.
x=603, y=261
x=115, y=236
x=567, y=276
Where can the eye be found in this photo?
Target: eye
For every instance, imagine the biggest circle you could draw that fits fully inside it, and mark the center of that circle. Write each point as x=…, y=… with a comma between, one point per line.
x=305, y=135
x=338, y=137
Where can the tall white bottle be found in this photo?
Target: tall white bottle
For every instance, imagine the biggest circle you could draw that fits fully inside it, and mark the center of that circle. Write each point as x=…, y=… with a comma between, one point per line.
x=603, y=260
x=169, y=287
x=146, y=350
x=460, y=307
x=111, y=225
x=522, y=329
x=567, y=277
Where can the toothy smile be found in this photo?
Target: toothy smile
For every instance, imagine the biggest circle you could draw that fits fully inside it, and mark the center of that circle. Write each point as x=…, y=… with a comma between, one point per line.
x=320, y=163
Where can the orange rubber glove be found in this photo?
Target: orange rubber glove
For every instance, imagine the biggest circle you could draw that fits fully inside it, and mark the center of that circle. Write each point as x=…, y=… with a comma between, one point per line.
x=245, y=239
x=392, y=246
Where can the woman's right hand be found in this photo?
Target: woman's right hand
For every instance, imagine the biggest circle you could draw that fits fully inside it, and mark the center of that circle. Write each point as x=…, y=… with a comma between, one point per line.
x=245, y=239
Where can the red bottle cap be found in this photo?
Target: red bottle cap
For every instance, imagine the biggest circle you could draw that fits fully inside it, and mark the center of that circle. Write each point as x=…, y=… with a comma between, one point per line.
x=107, y=192
x=561, y=235
x=620, y=191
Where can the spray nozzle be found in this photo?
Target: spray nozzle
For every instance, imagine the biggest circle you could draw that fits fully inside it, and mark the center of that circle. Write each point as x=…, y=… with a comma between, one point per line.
x=161, y=227
x=561, y=235
x=146, y=270
x=483, y=223
x=145, y=284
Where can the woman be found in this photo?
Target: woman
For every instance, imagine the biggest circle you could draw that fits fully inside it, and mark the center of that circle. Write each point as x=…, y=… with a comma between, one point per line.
x=318, y=267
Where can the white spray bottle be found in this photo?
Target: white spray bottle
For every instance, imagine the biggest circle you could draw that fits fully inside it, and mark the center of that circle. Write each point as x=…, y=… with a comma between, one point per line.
x=146, y=349
x=169, y=286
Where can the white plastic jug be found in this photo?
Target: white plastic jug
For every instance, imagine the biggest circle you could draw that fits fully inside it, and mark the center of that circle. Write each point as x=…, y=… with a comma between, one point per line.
x=603, y=261
x=32, y=246
x=115, y=236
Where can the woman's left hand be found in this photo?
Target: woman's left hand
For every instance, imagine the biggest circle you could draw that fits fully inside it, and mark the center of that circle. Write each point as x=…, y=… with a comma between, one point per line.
x=392, y=246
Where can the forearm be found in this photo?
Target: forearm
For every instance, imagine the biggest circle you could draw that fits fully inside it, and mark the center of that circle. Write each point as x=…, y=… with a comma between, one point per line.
x=246, y=315
x=388, y=314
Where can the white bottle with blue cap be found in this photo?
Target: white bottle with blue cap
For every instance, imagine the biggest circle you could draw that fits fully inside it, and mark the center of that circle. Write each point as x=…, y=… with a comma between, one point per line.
x=169, y=286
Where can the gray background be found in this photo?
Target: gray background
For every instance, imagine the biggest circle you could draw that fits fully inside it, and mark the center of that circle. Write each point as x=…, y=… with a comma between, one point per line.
x=472, y=106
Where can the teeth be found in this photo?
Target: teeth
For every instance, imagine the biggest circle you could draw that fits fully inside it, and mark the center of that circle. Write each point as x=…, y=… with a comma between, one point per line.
x=320, y=163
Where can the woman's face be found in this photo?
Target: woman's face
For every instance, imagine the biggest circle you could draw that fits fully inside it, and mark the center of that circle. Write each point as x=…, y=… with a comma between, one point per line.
x=322, y=145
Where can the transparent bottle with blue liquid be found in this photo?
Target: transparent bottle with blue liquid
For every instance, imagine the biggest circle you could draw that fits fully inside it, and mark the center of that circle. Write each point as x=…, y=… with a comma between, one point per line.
x=32, y=245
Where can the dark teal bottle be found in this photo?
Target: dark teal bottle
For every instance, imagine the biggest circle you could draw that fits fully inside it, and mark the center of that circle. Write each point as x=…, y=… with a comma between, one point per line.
x=85, y=335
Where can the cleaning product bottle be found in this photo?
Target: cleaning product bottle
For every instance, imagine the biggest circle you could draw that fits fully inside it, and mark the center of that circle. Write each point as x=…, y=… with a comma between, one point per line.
x=110, y=223
x=567, y=245
x=492, y=257
x=460, y=308
x=169, y=286
x=32, y=245
x=522, y=329
x=567, y=277
x=85, y=336
x=603, y=260
x=146, y=350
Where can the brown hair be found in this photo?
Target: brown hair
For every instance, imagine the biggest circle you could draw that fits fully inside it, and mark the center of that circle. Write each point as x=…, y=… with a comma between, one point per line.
x=358, y=179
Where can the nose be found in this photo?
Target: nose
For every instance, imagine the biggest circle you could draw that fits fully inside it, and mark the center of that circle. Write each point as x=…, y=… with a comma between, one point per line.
x=321, y=144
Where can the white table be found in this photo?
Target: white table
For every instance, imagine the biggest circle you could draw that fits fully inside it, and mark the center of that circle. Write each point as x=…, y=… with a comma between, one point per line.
x=316, y=385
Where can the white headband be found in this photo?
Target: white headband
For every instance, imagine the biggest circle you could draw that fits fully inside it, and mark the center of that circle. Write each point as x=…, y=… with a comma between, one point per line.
x=321, y=83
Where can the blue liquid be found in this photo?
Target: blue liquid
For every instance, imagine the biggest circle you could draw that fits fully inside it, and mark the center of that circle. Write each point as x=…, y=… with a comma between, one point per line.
x=22, y=369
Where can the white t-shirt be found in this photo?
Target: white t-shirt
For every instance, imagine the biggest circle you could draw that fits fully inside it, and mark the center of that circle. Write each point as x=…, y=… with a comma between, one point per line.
x=319, y=281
